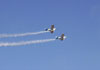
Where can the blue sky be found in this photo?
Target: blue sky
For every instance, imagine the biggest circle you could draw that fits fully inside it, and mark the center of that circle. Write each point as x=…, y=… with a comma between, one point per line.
x=78, y=19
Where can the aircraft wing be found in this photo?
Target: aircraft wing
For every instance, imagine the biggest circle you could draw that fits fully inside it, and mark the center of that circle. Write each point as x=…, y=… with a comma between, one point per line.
x=62, y=37
x=52, y=27
x=52, y=31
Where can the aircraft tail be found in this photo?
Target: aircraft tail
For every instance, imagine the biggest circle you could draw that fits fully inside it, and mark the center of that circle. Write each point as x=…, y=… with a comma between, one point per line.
x=57, y=37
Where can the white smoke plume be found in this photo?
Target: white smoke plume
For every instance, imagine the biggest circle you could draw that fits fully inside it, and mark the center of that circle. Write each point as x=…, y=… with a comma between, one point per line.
x=25, y=42
x=23, y=34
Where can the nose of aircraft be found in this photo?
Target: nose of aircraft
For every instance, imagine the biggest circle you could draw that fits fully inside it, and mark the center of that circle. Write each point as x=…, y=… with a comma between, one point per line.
x=65, y=37
x=54, y=29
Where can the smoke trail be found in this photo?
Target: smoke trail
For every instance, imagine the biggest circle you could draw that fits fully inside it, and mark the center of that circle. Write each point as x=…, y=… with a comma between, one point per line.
x=24, y=34
x=25, y=42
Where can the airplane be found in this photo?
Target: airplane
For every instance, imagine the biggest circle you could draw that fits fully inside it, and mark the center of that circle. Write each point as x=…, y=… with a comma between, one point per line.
x=62, y=37
x=52, y=29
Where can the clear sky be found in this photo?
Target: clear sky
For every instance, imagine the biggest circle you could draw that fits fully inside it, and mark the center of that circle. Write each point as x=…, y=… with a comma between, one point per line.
x=78, y=19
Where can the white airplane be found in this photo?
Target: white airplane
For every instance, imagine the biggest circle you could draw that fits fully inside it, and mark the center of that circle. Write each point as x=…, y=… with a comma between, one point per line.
x=62, y=37
x=52, y=29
